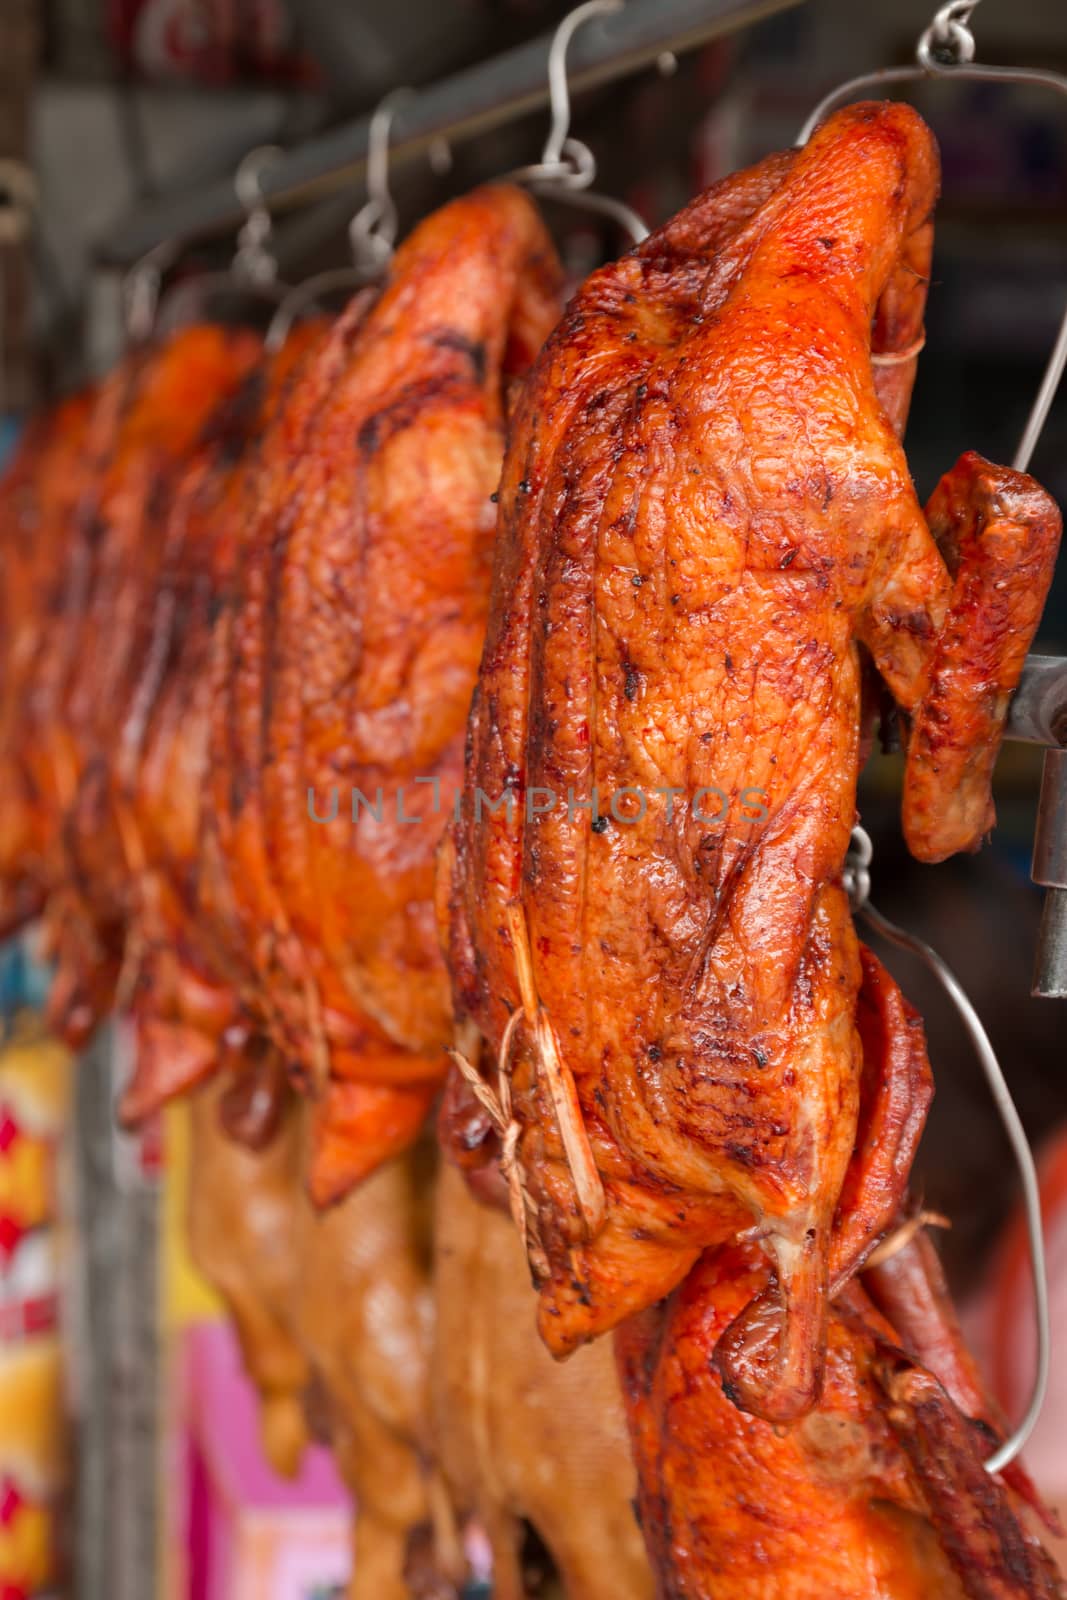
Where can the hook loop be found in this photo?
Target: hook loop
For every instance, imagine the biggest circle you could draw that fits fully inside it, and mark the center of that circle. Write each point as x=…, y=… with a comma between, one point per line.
x=856, y=877
x=559, y=88
x=253, y=260
x=141, y=289
x=567, y=168
x=948, y=36
x=372, y=231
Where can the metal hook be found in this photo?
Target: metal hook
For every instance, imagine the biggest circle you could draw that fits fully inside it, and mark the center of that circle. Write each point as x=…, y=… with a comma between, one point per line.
x=141, y=289
x=567, y=168
x=949, y=31
x=559, y=88
x=857, y=883
x=372, y=231
x=253, y=260
x=304, y=297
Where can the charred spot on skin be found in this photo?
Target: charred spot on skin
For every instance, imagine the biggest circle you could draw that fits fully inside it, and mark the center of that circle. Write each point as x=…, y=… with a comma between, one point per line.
x=637, y=580
x=675, y=599
x=787, y=560
x=599, y=825
x=728, y=662
x=633, y=681
x=298, y=1075
x=917, y=623
x=654, y=1053
x=760, y=1056
x=524, y=485
x=730, y=1389
x=473, y=349
x=495, y=497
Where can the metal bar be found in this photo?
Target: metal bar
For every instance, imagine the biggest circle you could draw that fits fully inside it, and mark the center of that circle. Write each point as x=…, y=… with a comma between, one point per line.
x=471, y=103
x=1038, y=711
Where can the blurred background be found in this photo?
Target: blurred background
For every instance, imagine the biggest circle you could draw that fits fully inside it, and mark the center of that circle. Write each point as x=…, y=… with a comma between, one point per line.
x=114, y=111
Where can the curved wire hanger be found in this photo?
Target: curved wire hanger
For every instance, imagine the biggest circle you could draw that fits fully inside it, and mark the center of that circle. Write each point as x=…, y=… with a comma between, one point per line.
x=857, y=883
x=372, y=231
x=567, y=167
x=946, y=49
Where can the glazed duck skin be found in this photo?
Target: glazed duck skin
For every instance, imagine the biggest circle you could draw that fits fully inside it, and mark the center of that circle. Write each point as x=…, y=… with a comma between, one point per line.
x=150, y=419
x=878, y=1494
x=353, y=656
x=180, y=990
x=705, y=510
x=38, y=494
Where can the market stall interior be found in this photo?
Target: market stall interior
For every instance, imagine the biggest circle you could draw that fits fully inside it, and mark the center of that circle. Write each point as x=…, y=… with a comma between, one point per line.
x=474, y=654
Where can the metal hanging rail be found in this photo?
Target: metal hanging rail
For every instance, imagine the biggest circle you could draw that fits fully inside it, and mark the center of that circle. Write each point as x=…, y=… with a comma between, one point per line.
x=469, y=104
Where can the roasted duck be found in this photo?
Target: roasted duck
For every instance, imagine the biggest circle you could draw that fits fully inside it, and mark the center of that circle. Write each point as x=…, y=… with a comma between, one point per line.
x=518, y=1437
x=334, y=1314
x=183, y=995
x=707, y=526
x=38, y=494
x=878, y=1492
x=242, y=1226
x=337, y=748
x=152, y=419
x=332, y=1309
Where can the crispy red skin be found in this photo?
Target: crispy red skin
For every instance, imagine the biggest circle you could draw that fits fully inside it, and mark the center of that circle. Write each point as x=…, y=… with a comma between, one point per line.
x=38, y=495
x=705, y=512
x=352, y=652
x=878, y=1494
x=150, y=422
x=182, y=995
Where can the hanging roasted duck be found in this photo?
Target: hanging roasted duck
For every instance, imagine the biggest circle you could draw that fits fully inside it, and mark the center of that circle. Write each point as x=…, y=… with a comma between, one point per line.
x=879, y=1493
x=707, y=527
x=353, y=645
x=520, y=1439
x=333, y=1311
x=39, y=491
x=185, y=1000
x=152, y=417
